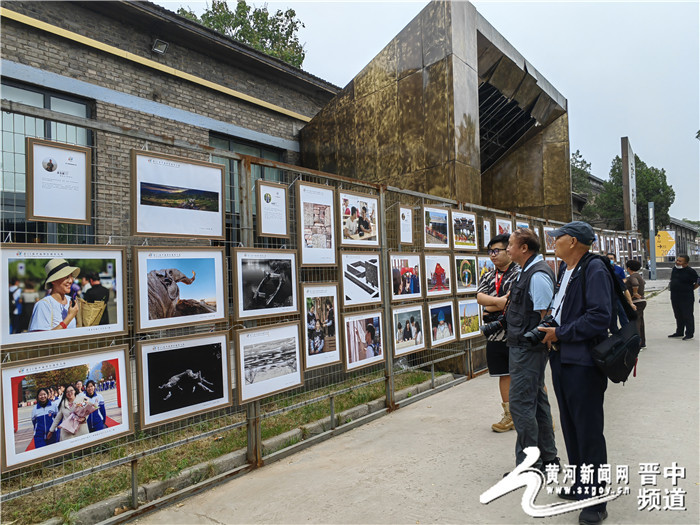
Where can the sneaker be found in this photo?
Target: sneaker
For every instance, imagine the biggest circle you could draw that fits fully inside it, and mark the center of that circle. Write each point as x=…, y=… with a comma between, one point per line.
x=676, y=335
x=592, y=517
x=504, y=425
x=687, y=337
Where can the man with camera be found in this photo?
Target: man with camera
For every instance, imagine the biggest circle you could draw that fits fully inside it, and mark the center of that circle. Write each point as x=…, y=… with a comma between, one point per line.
x=583, y=311
x=530, y=298
x=492, y=294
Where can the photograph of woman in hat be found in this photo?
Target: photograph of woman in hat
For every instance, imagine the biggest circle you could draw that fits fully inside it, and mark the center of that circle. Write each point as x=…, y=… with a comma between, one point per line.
x=57, y=310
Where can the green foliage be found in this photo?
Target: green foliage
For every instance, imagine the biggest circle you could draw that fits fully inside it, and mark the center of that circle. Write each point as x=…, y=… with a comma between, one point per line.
x=690, y=221
x=273, y=34
x=64, y=376
x=580, y=172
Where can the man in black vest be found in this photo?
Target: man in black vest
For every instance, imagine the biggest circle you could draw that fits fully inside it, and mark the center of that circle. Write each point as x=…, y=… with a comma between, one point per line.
x=530, y=297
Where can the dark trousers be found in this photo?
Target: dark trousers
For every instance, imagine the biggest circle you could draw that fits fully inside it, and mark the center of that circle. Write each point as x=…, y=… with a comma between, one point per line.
x=580, y=391
x=683, y=312
x=640, y=322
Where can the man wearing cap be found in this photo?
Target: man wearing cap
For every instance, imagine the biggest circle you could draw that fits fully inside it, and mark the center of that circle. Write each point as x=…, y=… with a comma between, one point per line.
x=55, y=311
x=578, y=384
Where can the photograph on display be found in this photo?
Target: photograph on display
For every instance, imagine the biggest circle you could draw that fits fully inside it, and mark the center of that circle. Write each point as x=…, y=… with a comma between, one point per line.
x=435, y=227
x=53, y=405
x=359, y=219
x=621, y=246
x=549, y=239
x=408, y=329
x=273, y=209
x=466, y=273
x=486, y=228
x=438, y=275
x=179, y=286
x=611, y=244
x=464, y=234
x=183, y=376
x=406, y=225
x=266, y=281
x=268, y=361
x=634, y=244
x=595, y=247
x=61, y=292
x=316, y=224
x=363, y=340
x=405, y=276
x=176, y=196
x=484, y=266
x=552, y=263
x=442, y=326
x=321, y=346
x=504, y=226
x=469, y=318
x=522, y=224
x=59, y=182
x=361, y=278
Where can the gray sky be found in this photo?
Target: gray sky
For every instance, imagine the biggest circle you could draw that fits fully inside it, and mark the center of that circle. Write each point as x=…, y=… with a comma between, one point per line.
x=626, y=68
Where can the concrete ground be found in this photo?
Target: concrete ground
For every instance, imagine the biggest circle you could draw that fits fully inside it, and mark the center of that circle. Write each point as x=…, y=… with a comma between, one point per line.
x=429, y=462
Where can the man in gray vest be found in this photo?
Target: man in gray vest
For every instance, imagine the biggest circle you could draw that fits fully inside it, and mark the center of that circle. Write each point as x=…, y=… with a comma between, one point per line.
x=530, y=297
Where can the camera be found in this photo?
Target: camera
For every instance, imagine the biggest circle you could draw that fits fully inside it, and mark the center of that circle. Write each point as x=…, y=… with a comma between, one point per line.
x=534, y=336
x=497, y=323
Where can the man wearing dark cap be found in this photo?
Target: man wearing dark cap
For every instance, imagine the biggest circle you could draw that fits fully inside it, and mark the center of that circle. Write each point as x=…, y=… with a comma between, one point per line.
x=579, y=385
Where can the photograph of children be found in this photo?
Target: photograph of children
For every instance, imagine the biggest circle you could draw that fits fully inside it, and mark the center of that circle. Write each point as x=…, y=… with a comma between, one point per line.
x=359, y=219
x=60, y=292
x=438, y=275
x=435, y=223
x=486, y=228
x=484, y=266
x=320, y=304
x=316, y=224
x=408, y=329
x=469, y=318
x=406, y=225
x=183, y=376
x=504, y=226
x=442, y=327
x=361, y=278
x=268, y=361
x=405, y=276
x=549, y=239
x=65, y=402
x=176, y=196
x=177, y=286
x=552, y=263
x=363, y=340
x=466, y=273
x=267, y=282
x=464, y=234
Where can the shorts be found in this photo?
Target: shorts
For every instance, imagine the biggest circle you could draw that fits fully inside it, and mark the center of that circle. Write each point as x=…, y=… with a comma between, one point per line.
x=497, y=358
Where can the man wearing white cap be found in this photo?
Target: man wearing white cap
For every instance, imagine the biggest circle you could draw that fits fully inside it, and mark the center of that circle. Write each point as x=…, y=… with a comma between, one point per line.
x=56, y=311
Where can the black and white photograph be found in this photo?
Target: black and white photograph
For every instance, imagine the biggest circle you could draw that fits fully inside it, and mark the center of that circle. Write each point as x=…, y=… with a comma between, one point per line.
x=464, y=232
x=436, y=227
x=183, y=376
x=405, y=225
x=61, y=292
x=176, y=196
x=266, y=281
x=359, y=219
x=268, y=361
x=364, y=344
x=405, y=276
x=316, y=224
x=273, y=209
x=438, y=274
x=361, y=278
x=321, y=346
x=408, y=329
x=442, y=323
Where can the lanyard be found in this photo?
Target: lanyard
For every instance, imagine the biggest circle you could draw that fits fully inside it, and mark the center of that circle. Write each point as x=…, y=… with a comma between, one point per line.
x=498, y=282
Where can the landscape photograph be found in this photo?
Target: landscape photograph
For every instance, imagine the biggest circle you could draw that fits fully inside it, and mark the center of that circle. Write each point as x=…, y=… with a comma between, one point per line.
x=175, y=197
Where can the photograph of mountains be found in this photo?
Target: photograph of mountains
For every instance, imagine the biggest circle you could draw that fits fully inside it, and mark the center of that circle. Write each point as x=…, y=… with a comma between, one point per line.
x=174, y=197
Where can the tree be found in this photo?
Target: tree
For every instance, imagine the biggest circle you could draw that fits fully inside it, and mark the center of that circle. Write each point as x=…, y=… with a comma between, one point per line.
x=275, y=35
x=691, y=221
x=62, y=376
x=607, y=210
x=580, y=173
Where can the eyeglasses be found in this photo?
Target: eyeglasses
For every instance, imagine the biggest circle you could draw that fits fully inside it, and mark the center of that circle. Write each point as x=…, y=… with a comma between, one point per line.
x=495, y=251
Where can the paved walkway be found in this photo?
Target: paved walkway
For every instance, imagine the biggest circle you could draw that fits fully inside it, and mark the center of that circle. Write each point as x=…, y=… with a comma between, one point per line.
x=429, y=462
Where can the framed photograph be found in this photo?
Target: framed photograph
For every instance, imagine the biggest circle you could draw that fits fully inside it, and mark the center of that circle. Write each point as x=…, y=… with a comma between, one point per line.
x=407, y=329
x=464, y=234
x=59, y=185
x=552, y=263
x=179, y=286
x=504, y=226
x=486, y=228
x=549, y=239
x=536, y=228
x=442, y=325
x=61, y=292
x=183, y=376
x=176, y=196
x=405, y=276
x=466, y=273
x=359, y=219
x=485, y=265
x=363, y=340
x=519, y=223
x=273, y=209
x=268, y=361
x=361, y=278
x=438, y=275
x=435, y=231
x=610, y=244
x=38, y=423
x=266, y=281
x=469, y=318
x=634, y=244
x=321, y=346
x=316, y=224
x=406, y=225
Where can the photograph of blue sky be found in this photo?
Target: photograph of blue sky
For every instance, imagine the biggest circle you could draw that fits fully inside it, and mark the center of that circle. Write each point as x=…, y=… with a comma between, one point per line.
x=204, y=285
